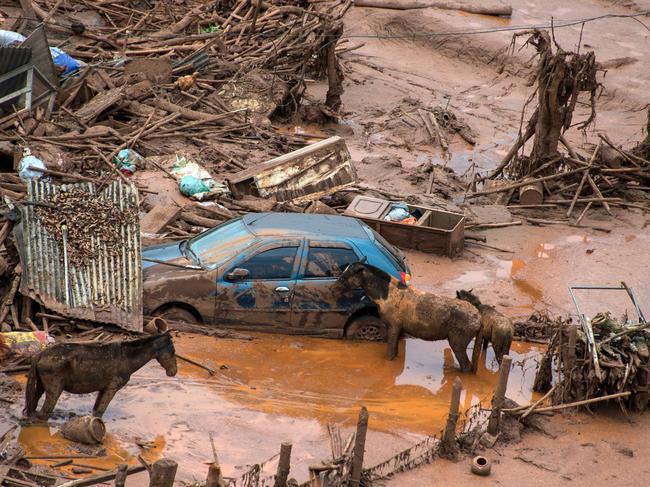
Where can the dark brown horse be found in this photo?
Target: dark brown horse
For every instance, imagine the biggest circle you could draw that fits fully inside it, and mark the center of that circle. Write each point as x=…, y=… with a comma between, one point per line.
x=497, y=328
x=421, y=315
x=81, y=368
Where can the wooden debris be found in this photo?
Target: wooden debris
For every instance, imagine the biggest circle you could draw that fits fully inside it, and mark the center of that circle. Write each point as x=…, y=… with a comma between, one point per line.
x=159, y=217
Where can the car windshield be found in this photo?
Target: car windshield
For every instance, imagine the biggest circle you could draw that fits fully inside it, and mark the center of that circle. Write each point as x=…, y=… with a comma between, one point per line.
x=216, y=246
x=393, y=252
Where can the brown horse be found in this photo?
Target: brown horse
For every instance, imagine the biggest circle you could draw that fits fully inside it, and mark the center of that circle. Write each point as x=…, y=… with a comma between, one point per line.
x=497, y=328
x=81, y=368
x=421, y=315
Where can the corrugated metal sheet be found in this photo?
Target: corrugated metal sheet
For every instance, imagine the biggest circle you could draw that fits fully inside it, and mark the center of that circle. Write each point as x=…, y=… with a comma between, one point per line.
x=108, y=289
x=10, y=59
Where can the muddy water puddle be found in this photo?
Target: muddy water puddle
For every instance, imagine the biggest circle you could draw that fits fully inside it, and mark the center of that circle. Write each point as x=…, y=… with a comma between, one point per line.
x=274, y=389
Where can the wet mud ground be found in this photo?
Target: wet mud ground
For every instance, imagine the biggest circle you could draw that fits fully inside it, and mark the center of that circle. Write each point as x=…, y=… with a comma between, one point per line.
x=278, y=388
x=288, y=388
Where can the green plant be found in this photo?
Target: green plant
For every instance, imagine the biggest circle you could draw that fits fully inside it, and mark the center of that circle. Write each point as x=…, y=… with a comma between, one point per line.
x=209, y=29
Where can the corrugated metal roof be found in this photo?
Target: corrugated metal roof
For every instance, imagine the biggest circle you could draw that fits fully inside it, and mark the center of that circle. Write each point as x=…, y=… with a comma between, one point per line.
x=10, y=59
x=108, y=289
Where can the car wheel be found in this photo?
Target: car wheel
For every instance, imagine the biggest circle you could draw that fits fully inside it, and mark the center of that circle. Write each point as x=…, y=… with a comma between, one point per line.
x=176, y=313
x=369, y=328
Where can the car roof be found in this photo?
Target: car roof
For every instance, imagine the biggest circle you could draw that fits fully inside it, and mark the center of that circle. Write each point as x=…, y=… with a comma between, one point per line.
x=299, y=224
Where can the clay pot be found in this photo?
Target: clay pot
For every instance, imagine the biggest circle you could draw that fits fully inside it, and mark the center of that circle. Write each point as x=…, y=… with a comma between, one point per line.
x=84, y=429
x=156, y=325
x=481, y=466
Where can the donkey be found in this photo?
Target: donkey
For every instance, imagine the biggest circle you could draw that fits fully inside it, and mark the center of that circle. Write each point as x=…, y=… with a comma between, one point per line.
x=422, y=315
x=81, y=368
x=497, y=328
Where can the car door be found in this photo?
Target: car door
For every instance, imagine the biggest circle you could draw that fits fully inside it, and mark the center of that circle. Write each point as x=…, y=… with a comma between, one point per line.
x=256, y=289
x=316, y=306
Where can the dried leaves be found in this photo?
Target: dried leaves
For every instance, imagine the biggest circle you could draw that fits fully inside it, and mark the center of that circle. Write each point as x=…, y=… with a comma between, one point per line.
x=88, y=220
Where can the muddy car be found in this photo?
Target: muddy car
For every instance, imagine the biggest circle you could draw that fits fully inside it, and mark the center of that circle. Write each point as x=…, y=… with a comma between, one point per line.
x=271, y=272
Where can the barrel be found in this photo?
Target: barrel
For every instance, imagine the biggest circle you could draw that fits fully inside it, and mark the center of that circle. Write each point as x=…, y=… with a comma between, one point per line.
x=84, y=429
x=531, y=194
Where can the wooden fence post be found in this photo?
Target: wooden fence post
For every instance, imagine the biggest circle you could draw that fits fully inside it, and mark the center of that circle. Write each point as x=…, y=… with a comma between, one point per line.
x=284, y=465
x=215, y=478
x=571, y=348
x=120, y=475
x=499, y=395
x=163, y=473
x=359, y=448
x=449, y=447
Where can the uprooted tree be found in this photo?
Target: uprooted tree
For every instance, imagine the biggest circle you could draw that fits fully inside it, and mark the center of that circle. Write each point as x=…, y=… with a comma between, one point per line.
x=561, y=77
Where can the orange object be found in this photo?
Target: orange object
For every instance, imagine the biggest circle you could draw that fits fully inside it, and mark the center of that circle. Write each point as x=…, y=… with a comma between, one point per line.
x=411, y=220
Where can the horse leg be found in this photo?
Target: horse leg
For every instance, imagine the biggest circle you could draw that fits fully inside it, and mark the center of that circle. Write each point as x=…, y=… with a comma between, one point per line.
x=459, y=347
x=103, y=400
x=393, y=340
x=52, y=394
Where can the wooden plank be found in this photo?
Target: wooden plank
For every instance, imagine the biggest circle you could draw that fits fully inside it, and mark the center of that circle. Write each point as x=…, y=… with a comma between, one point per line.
x=98, y=104
x=159, y=217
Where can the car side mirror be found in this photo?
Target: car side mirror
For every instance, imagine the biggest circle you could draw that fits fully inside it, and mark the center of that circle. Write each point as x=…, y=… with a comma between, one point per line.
x=237, y=274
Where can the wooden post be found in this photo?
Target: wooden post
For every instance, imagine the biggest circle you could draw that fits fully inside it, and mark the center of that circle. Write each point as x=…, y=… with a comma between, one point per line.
x=449, y=447
x=499, y=395
x=334, y=77
x=284, y=464
x=359, y=448
x=571, y=348
x=163, y=473
x=121, y=474
x=215, y=478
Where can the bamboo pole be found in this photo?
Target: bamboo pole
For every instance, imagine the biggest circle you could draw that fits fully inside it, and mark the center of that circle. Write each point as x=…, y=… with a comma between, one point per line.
x=584, y=402
x=538, y=402
x=585, y=175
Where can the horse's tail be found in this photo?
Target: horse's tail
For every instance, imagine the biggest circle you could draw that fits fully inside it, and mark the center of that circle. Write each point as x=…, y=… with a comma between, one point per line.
x=34, y=389
x=502, y=339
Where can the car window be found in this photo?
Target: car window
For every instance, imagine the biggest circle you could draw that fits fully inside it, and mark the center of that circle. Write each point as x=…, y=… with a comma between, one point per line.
x=328, y=262
x=216, y=246
x=271, y=264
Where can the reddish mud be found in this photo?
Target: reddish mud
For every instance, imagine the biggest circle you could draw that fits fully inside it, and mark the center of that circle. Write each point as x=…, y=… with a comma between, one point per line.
x=578, y=450
x=543, y=263
x=279, y=388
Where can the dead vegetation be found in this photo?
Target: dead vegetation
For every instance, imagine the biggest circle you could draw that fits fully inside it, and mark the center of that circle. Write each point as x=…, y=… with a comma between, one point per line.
x=84, y=218
x=549, y=179
x=618, y=366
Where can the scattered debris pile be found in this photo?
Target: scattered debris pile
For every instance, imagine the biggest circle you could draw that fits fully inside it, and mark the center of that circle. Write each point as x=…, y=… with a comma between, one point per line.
x=619, y=367
x=539, y=327
x=202, y=76
x=546, y=178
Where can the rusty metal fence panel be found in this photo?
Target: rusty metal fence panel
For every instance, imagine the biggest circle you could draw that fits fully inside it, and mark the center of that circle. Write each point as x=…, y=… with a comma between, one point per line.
x=108, y=289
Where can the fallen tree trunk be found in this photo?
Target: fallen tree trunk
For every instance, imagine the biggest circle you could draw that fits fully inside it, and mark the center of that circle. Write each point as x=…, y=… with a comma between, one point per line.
x=485, y=9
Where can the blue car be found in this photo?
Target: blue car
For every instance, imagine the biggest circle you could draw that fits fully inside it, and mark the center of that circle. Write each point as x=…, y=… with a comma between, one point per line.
x=271, y=272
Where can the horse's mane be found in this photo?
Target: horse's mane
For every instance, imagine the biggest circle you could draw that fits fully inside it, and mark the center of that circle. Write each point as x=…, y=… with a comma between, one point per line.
x=130, y=347
x=382, y=274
